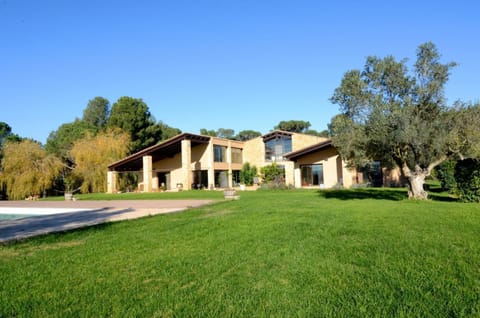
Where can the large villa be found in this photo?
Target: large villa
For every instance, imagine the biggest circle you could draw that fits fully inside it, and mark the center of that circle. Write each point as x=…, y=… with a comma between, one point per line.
x=191, y=161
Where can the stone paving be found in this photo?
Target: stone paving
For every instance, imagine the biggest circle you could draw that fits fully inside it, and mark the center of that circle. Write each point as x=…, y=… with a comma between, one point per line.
x=93, y=213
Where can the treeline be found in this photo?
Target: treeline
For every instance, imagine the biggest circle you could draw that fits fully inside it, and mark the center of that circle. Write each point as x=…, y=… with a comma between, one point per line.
x=76, y=155
x=298, y=126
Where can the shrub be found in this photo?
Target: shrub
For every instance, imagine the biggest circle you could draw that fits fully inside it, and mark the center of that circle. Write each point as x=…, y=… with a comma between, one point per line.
x=445, y=173
x=248, y=174
x=273, y=173
x=467, y=176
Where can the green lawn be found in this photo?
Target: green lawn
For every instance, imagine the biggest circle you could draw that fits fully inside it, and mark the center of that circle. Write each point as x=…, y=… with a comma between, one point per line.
x=193, y=194
x=337, y=253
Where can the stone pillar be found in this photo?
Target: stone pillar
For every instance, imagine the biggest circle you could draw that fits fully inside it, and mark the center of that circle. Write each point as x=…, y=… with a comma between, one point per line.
x=298, y=176
x=186, y=178
x=211, y=169
x=229, y=162
x=112, y=181
x=289, y=173
x=147, y=173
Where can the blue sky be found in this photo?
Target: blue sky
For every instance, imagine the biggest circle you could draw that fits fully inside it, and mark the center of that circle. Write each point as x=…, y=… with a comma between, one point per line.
x=214, y=64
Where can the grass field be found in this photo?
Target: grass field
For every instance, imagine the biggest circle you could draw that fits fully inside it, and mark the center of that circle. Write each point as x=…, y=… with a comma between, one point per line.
x=336, y=253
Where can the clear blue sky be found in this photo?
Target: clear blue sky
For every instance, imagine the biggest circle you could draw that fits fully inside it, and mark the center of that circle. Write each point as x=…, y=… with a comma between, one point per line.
x=214, y=64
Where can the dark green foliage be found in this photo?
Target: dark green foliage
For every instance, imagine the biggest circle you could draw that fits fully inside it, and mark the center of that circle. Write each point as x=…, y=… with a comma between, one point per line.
x=298, y=126
x=167, y=131
x=445, y=173
x=96, y=113
x=226, y=133
x=7, y=135
x=248, y=174
x=5, y=131
x=273, y=174
x=207, y=132
x=245, y=135
x=60, y=142
x=467, y=176
x=132, y=116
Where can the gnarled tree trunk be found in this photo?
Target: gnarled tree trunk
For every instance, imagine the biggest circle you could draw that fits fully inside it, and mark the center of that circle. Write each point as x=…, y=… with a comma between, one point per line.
x=415, y=186
x=416, y=180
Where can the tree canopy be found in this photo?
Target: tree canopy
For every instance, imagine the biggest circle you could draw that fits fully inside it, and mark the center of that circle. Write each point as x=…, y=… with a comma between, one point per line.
x=132, y=116
x=27, y=169
x=96, y=113
x=399, y=117
x=298, y=126
x=61, y=141
x=93, y=154
x=245, y=135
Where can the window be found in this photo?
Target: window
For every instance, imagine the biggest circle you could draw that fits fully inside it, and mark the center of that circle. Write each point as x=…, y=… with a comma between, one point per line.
x=221, y=179
x=275, y=148
x=200, y=179
x=312, y=175
x=219, y=153
x=236, y=177
x=237, y=155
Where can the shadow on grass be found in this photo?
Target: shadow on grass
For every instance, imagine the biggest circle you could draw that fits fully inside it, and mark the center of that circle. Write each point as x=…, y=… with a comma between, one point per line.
x=365, y=193
x=441, y=196
x=390, y=194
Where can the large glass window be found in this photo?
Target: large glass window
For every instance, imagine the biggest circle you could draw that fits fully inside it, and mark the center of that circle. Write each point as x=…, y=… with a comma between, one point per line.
x=200, y=179
x=237, y=155
x=275, y=148
x=219, y=153
x=312, y=175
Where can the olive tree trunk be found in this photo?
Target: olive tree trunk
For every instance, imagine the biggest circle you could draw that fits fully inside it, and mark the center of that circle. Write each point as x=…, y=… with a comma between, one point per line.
x=416, y=180
x=415, y=187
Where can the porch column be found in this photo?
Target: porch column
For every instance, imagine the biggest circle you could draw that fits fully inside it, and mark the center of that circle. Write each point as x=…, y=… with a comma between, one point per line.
x=147, y=173
x=229, y=162
x=186, y=177
x=211, y=168
x=112, y=181
x=298, y=176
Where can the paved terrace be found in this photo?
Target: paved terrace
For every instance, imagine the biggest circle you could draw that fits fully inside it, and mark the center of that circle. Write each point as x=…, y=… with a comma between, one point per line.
x=91, y=213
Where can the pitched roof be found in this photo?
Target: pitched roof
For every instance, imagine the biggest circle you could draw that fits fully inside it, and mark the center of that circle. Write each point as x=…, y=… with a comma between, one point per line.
x=167, y=148
x=294, y=155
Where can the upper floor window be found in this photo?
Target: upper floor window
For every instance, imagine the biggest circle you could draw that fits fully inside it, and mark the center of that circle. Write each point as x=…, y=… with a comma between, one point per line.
x=237, y=155
x=219, y=153
x=276, y=147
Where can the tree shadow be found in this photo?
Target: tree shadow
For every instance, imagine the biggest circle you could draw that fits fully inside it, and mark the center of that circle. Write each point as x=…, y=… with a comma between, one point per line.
x=441, y=196
x=365, y=193
x=390, y=194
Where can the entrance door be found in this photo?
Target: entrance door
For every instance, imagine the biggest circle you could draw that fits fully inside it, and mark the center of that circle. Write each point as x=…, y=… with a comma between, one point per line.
x=164, y=180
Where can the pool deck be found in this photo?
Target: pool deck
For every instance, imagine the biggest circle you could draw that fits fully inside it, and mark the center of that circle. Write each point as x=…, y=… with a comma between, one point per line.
x=92, y=213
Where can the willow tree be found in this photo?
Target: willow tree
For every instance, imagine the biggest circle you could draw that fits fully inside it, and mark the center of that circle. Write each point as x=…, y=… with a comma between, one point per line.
x=27, y=169
x=93, y=154
x=399, y=117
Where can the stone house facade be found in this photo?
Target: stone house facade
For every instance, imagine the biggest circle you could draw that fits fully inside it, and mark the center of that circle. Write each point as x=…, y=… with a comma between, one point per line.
x=191, y=161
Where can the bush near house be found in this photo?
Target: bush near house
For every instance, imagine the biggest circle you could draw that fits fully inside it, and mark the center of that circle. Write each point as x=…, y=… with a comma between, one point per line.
x=445, y=173
x=248, y=174
x=467, y=176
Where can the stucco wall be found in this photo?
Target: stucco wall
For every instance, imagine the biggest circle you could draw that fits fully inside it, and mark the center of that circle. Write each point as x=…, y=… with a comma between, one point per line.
x=254, y=152
x=300, y=141
x=334, y=170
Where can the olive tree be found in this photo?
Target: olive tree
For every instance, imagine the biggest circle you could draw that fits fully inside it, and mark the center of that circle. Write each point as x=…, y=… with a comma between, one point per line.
x=401, y=118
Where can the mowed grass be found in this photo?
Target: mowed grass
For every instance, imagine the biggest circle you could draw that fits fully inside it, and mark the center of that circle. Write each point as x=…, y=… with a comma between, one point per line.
x=337, y=253
x=181, y=195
